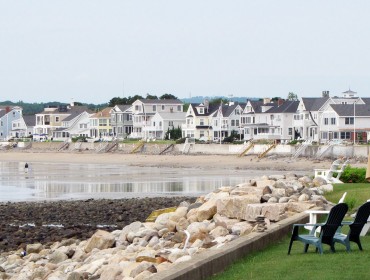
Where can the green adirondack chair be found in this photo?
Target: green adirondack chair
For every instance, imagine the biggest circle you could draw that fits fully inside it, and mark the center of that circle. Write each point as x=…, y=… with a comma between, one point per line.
x=328, y=230
x=355, y=228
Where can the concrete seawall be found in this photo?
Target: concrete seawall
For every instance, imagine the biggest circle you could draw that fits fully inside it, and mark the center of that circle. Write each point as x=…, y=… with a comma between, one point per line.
x=350, y=151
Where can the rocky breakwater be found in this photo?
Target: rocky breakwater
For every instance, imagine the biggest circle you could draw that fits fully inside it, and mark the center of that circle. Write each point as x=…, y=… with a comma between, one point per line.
x=141, y=249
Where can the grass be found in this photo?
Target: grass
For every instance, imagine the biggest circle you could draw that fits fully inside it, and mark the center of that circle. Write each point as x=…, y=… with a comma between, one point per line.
x=275, y=263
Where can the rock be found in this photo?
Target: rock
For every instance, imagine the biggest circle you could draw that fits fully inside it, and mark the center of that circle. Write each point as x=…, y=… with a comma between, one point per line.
x=57, y=257
x=272, y=200
x=183, y=259
x=207, y=210
x=303, y=197
x=110, y=272
x=33, y=248
x=267, y=190
x=265, y=183
x=144, y=275
x=140, y=268
x=319, y=181
x=76, y=276
x=100, y=240
x=241, y=228
x=219, y=231
x=133, y=227
x=224, y=221
x=232, y=206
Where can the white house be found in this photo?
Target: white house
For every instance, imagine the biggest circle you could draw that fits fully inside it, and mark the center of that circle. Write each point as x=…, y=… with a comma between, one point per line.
x=143, y=110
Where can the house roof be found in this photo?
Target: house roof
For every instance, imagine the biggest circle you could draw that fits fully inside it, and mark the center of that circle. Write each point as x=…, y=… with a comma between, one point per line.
x=289, y=106
x=173, y=116
x=161, y=101
x=30, y=120
x=124, y=107
x=348, y=110
x=211, y=109
x=227, y=110
x=105, y=113
x=314, y=103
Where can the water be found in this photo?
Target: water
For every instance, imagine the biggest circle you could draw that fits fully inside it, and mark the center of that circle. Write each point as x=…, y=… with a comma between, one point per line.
x=55, y=181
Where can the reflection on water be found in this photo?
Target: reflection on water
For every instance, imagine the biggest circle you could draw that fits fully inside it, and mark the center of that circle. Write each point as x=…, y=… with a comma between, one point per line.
x=79, y=181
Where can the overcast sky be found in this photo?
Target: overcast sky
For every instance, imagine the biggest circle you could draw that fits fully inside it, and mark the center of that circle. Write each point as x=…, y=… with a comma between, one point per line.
x=91, y=51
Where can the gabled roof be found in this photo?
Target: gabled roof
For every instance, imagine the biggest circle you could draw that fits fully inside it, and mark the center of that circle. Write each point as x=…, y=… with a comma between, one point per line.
x=256, y=106
x=30, y=120
x=161, y=101
x=366, y=100
x=124, y=108
x=289, y=106
x=73, y=115
x=105, y=113
x=207, y=112
x=314, y=103
x=227, y=110
x=348, y=110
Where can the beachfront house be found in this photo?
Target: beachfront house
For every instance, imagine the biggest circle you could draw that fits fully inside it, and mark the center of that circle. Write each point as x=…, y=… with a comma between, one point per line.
x=163, y=122
x=198, y=121
x=77, y=124
x=51, y=119
x=143, y=110
x=317, y=120
x=23, y=127
x=346, y=122
x=121, y=120
x=8, y=115
x=100, y=124
x=227, y=121
x=253, y=119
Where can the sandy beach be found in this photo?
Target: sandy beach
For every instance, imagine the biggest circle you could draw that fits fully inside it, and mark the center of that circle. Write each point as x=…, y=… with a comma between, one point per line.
x=175, y=161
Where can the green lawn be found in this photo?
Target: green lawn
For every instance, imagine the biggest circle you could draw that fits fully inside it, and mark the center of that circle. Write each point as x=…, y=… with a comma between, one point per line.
x=275, y=263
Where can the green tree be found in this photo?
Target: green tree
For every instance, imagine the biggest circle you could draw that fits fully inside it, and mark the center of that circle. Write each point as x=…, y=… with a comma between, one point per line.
x=218, y=101
x=149, y=96
x=292, y=96
x=167, y=96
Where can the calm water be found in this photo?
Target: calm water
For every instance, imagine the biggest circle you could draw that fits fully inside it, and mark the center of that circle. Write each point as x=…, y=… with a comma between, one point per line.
x=80, y=181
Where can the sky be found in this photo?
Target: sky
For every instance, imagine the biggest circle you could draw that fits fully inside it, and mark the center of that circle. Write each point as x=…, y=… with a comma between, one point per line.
x=92, y=51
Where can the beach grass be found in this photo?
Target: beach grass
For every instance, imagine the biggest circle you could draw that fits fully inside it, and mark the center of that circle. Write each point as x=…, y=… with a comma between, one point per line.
x=275, y=263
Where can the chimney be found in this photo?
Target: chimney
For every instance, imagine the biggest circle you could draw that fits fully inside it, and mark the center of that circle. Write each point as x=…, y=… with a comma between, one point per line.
x=280, y=101
x=7, y=109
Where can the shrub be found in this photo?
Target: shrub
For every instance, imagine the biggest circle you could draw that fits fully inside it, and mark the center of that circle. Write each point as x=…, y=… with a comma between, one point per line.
x=353, y=175
x=180, y=141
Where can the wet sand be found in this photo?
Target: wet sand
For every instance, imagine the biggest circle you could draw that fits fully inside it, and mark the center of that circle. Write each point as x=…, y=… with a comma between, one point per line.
x=175, y=161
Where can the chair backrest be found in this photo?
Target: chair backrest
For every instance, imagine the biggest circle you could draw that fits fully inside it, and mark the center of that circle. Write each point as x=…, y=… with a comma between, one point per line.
x=334, y=220
x=361, y=219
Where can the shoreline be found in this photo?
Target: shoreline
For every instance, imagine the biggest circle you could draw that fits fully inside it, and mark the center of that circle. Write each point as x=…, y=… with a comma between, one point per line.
x=175, y=161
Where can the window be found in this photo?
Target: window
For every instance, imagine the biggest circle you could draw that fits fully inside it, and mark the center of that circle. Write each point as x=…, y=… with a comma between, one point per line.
x=160, y=124
x=326, y=121
x=56, y=119
x=170, y=123
x=290, y=131
x=162, y=107
x=237, y=123
x=348, y=120
x=201, y=122
x=137, y=107
x=179, y=108
x=232, y=122
x=201, y=133
x=345, y=135
x=201, y=110
x=332, y=121
x=154, y=108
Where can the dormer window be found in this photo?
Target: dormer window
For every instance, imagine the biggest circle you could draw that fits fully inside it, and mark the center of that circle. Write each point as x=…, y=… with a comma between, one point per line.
x=201, y=110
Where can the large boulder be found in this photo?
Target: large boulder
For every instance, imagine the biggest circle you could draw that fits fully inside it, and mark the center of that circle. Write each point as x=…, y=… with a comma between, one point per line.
x=100, y=240
x=232, y=206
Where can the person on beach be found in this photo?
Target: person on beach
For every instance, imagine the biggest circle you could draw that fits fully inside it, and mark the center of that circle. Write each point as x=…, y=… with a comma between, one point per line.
x=26, y=168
